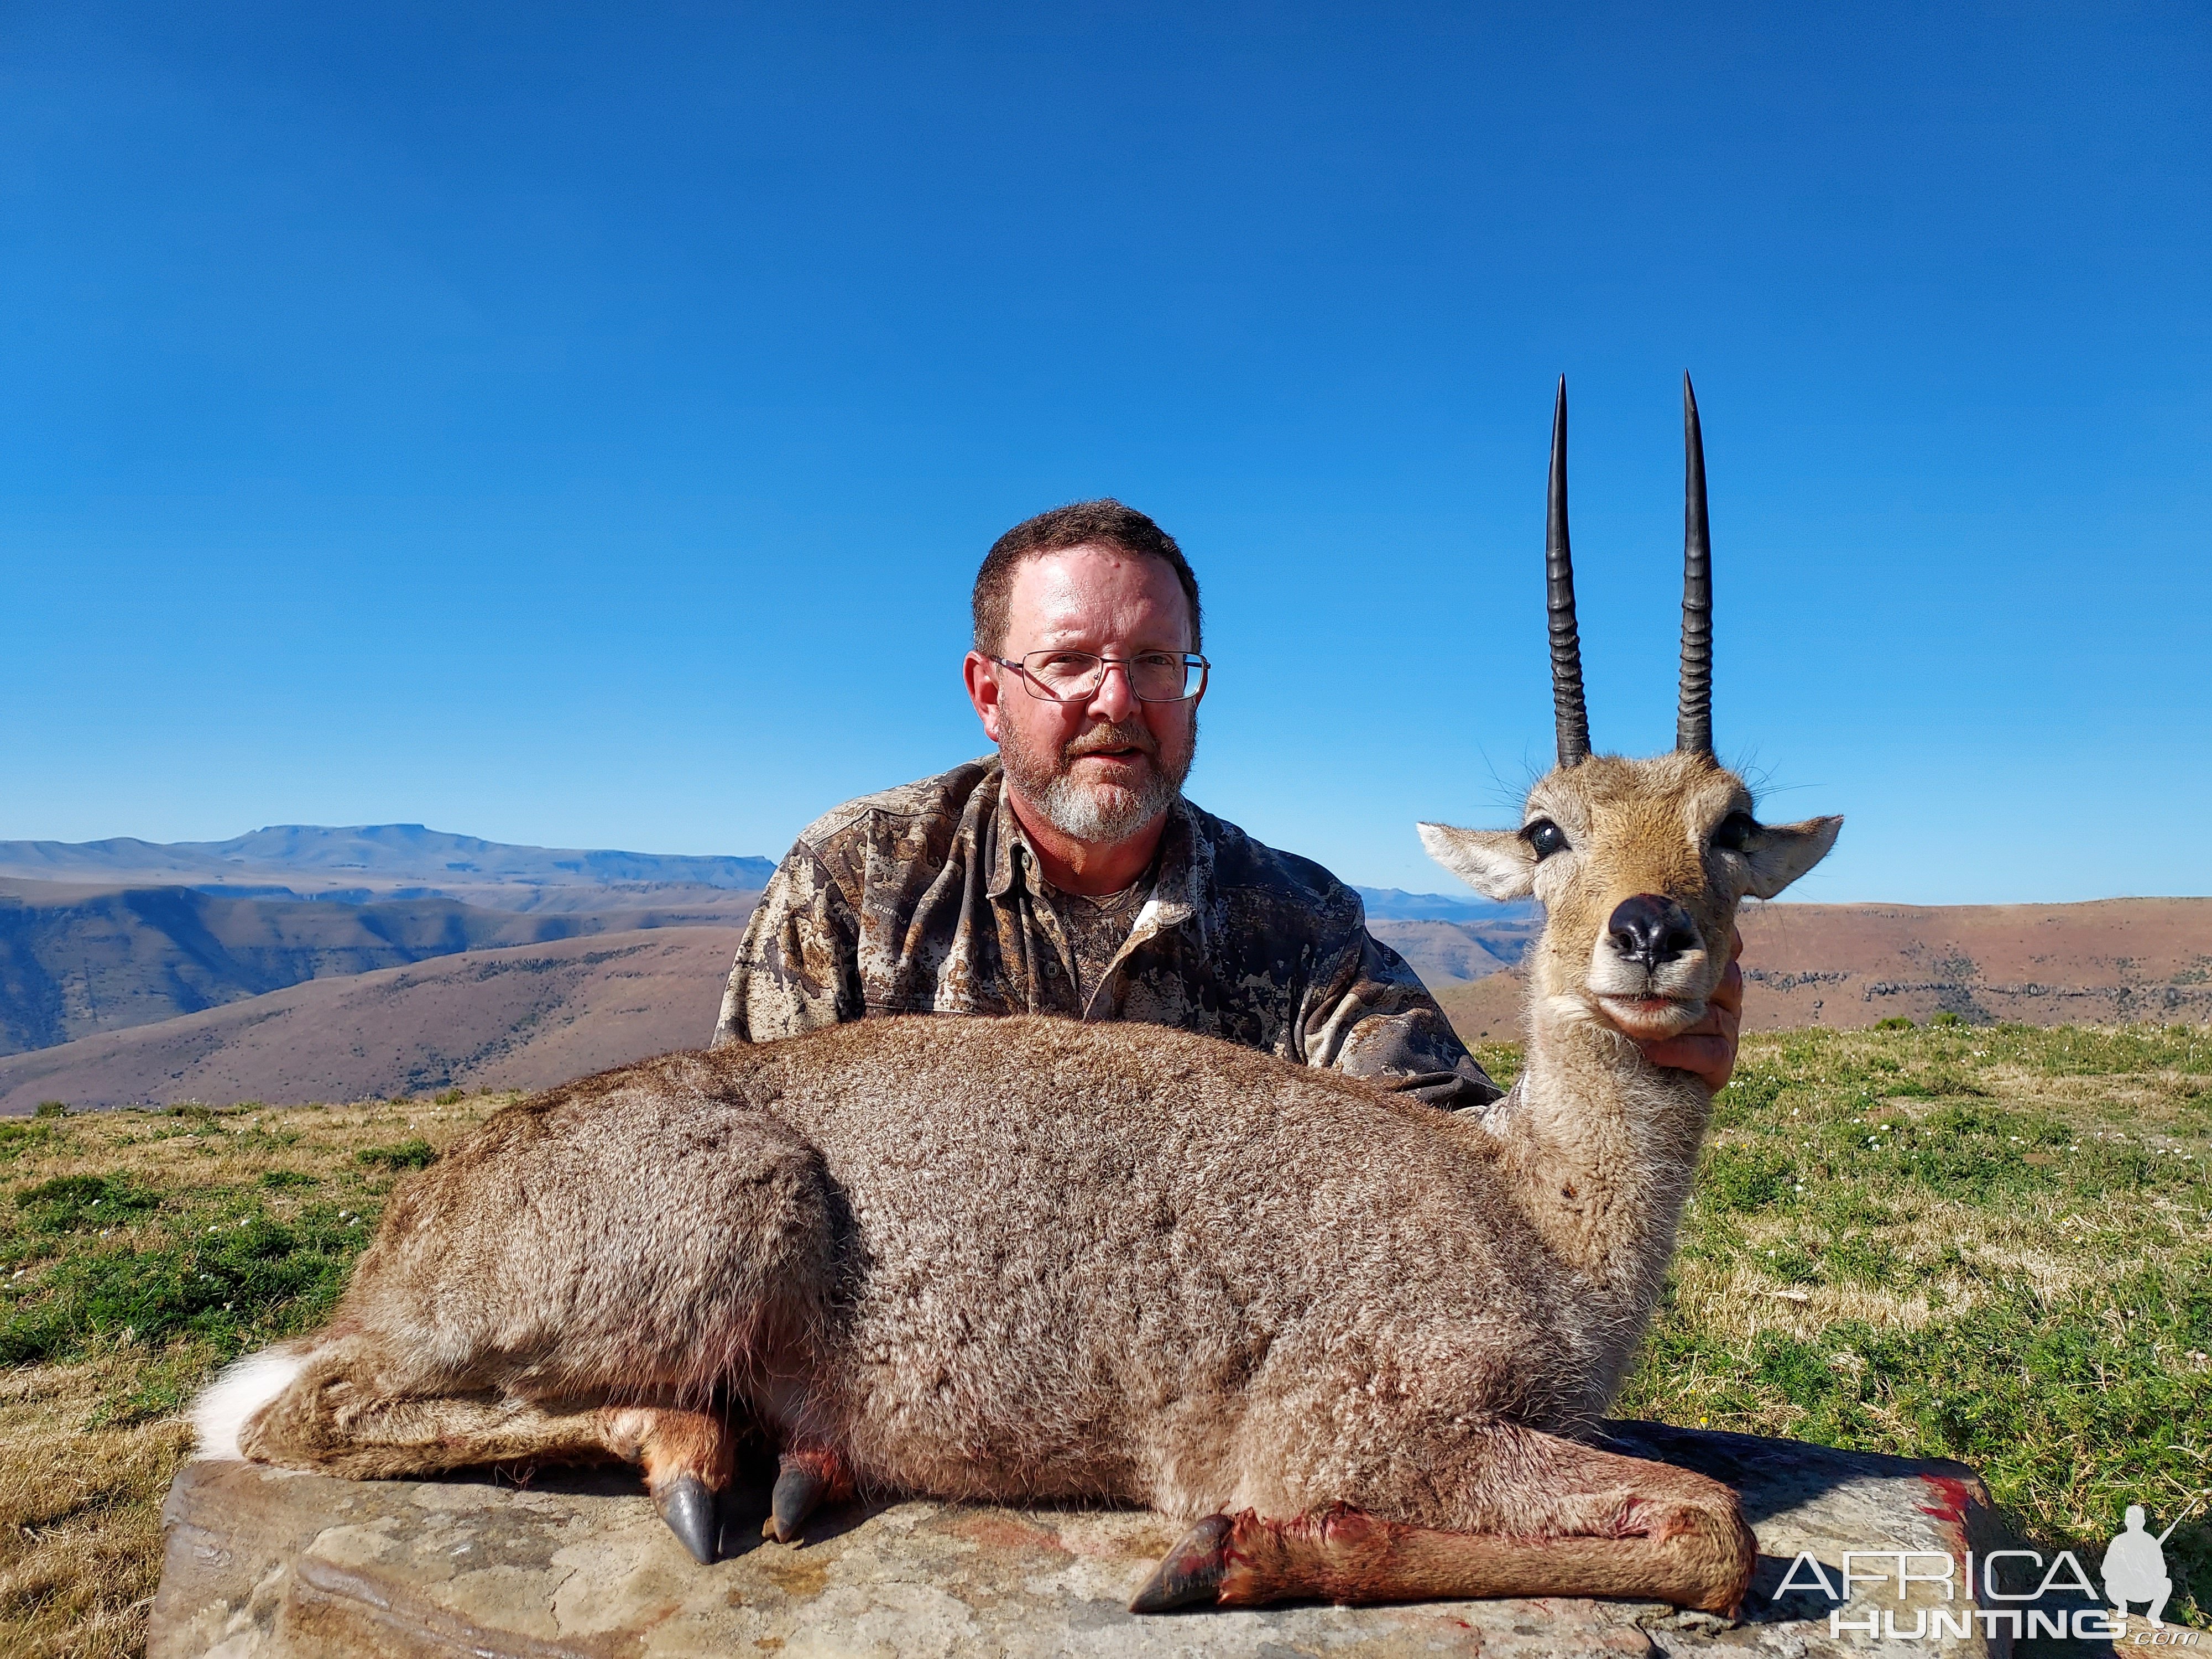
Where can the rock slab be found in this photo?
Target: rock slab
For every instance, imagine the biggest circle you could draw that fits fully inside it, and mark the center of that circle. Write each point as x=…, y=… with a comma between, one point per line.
x=263, y=1564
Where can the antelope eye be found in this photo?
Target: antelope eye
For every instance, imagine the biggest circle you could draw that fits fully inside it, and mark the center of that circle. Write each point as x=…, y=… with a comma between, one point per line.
x=1544, y=837
x=1736, y=832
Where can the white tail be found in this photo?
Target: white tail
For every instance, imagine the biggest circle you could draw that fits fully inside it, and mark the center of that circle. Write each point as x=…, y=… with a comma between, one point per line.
x=226, y=1405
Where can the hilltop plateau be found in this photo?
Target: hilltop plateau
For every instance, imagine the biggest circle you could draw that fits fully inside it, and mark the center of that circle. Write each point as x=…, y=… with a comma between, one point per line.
x=1846, y=966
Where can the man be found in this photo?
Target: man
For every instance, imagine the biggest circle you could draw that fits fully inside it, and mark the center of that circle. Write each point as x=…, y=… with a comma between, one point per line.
x=1067, y=875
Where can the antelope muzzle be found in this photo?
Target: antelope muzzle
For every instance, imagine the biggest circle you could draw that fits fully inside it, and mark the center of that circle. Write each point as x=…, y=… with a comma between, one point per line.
x=1651, y=930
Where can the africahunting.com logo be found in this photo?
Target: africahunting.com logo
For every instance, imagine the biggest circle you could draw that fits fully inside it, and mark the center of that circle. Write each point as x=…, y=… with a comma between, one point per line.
x=1955, y=1603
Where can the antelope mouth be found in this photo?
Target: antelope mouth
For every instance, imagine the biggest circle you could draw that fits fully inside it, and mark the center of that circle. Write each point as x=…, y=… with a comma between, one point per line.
x=1651, y=1016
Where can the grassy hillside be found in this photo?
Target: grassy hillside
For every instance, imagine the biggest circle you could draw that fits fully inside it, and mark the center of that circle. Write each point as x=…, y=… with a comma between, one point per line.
x=1985, y=1243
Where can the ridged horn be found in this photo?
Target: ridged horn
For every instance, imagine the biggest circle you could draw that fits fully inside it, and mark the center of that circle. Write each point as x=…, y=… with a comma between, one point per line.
x=1568, y=711
x=1694, y=714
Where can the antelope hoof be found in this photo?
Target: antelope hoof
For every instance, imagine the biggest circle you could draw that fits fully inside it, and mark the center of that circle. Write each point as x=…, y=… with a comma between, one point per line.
x=799, y=1489
x=689, y=1507
x=1190, y=1573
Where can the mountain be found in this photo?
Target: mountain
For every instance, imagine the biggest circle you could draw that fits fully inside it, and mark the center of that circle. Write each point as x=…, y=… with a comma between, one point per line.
x=1448, y=953
x=105, y=935
x=1395, y=904
x=1849, y=965
x=1451, y=941
x=384, y=861
x=525, y=1017
x=80, y=959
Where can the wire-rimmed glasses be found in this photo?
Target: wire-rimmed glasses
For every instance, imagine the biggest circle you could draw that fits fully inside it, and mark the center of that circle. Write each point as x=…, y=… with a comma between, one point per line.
x=1076, y=675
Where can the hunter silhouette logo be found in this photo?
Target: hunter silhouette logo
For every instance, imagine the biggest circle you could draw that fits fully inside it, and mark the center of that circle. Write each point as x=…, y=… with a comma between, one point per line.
x=2135, y=1567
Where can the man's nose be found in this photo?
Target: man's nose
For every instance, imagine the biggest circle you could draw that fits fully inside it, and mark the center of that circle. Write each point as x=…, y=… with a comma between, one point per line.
x=1116, y=699
x=1651, y=928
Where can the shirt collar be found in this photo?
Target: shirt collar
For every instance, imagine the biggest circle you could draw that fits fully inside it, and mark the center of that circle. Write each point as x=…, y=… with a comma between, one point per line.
x=1184, y=893
x=1008, y=848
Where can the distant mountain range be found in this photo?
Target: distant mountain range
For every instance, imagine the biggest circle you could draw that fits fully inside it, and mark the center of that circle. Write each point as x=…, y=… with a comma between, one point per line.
x=109, y=935
x=1394, y=904
x=77, y=960
x=380, y=860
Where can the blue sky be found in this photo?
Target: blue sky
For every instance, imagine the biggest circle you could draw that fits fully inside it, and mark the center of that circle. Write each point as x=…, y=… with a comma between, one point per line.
x=580, y=425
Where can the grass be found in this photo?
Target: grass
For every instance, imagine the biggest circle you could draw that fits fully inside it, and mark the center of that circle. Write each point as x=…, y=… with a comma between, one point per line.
x=1987, y=1243
x=138, y=1251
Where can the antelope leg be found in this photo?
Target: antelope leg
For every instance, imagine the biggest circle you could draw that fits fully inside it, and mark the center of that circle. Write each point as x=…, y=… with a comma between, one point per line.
x=1692, y=1553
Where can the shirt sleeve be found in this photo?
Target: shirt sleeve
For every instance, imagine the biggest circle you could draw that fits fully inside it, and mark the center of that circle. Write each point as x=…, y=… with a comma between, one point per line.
x=798, y=967
x=1369, y=1016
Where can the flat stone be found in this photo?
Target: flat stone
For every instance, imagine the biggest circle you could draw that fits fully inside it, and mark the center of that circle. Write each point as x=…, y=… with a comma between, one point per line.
x=264, y=1564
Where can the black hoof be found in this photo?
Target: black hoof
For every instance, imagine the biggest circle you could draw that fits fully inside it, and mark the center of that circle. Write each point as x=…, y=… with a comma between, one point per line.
x=797, y=1490
x=689, y=1509
x=1190, y=1573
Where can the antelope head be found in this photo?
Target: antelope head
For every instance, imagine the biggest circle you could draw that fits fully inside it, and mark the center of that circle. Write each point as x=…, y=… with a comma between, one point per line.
x=1640, y=864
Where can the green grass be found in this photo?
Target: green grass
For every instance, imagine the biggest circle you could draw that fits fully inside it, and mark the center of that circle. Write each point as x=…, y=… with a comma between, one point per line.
x=1993, y=1244
x=414, y=1154
x=210, y=1266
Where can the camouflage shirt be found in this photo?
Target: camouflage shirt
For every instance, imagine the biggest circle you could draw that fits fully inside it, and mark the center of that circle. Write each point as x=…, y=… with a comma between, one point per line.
x=928, y=899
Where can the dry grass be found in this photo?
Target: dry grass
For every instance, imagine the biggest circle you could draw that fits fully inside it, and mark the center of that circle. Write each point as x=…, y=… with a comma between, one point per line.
x=79, y=1535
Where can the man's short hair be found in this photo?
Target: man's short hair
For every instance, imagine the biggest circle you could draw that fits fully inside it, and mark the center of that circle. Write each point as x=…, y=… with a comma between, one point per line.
x=1100, y=523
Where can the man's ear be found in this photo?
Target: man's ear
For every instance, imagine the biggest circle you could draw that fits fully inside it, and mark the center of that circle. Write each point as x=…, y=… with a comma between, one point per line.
x=982, y=675
x=1785, y=852
x=1496, y=863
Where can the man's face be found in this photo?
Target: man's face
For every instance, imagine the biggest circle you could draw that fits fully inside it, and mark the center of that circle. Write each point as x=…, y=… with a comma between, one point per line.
x=1099, y=771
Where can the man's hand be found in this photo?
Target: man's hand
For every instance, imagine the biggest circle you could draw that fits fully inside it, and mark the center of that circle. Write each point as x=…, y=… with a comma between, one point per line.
x=1707, y=1049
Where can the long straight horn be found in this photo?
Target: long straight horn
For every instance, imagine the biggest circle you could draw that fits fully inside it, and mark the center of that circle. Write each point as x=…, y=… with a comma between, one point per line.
x=1694, y=716
x=1567, y=710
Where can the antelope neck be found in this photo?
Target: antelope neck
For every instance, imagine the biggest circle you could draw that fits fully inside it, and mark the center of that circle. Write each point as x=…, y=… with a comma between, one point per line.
x=1605, y=1144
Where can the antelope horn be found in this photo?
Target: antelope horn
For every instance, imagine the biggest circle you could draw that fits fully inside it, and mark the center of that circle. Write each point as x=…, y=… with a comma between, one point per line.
x=1567, y=709
x=1694, y=716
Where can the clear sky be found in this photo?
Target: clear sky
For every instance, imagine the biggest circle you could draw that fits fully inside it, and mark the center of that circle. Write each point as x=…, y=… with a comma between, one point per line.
x=579, y=425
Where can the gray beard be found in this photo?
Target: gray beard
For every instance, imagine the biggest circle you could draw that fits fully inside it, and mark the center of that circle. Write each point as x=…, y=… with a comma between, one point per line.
x=1094, y=814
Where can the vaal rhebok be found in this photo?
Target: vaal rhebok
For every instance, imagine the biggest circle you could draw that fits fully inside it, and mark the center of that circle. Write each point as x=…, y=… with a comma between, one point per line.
x=1360, y=1344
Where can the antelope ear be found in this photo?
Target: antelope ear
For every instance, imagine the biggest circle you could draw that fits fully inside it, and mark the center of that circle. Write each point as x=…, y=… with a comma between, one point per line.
x=1786, y=851
x=1496, y=863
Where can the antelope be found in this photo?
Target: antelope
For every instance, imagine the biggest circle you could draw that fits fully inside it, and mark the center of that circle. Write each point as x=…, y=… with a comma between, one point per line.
x=1362, y=1346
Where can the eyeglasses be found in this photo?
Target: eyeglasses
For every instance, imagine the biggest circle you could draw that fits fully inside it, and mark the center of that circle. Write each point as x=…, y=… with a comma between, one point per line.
x=1076, y=675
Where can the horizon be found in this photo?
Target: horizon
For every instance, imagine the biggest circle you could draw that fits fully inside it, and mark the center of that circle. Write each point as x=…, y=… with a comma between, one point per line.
x=586, y=428
x=1464, y=896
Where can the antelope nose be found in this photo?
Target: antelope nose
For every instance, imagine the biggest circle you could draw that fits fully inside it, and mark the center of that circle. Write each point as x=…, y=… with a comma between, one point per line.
x=1650, y=929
